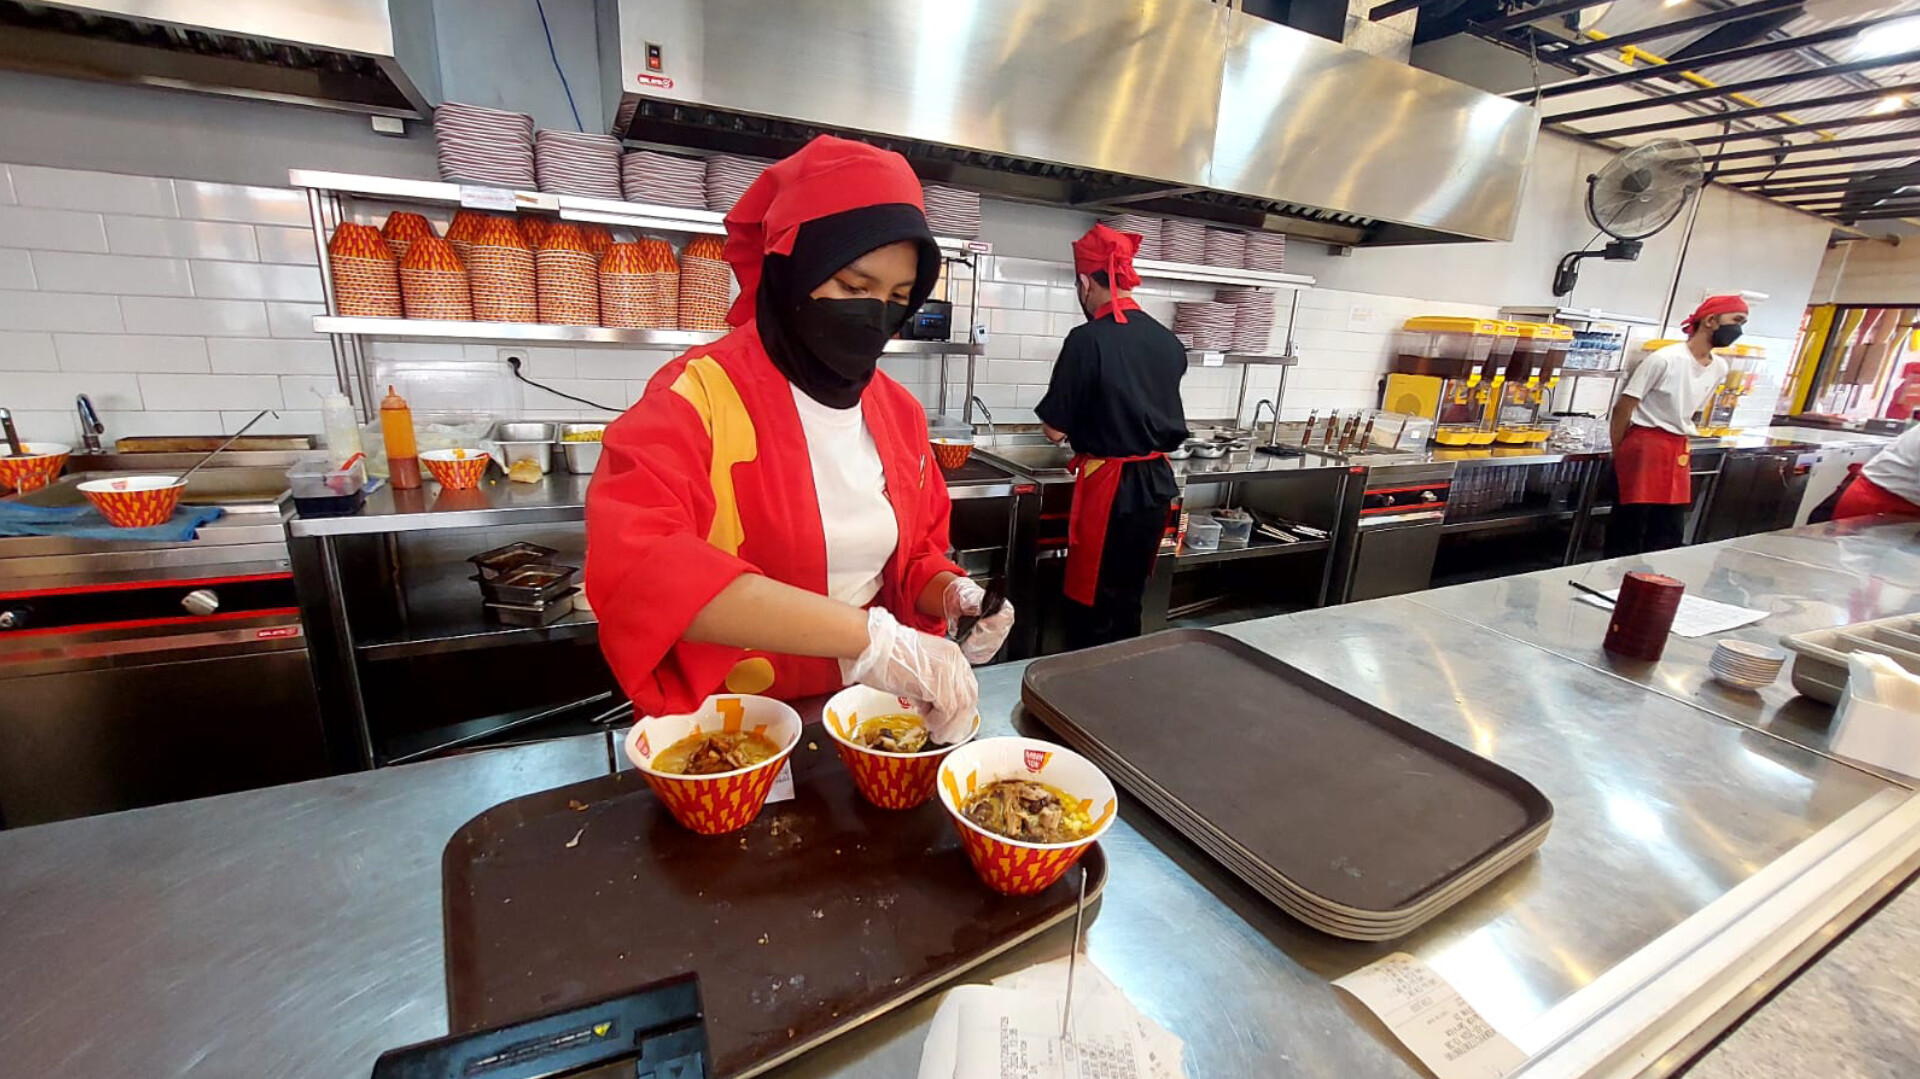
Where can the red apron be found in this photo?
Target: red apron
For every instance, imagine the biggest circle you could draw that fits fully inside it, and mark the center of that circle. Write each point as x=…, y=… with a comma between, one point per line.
x=1652, y=467
x=1096, y=481
x=1865, y=498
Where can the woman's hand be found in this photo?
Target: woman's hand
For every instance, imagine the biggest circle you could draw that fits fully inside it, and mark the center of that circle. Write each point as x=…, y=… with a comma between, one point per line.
x=963, y=598
x=919, y=666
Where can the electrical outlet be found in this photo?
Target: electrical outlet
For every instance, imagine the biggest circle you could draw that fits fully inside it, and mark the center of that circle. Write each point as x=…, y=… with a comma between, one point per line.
x=514, y=357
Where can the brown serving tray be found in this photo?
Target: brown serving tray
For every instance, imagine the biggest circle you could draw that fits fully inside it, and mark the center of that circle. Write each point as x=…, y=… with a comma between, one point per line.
x=1327, y=796
x=820, y=915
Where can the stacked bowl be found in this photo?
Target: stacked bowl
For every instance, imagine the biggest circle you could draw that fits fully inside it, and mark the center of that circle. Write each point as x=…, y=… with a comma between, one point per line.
x=574, y=163
x=703, y=285
x=646, y=176
x=484, y=146
x=366, y=276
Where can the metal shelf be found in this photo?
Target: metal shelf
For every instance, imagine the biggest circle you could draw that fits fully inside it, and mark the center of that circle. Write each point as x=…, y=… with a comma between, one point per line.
x=1252, y=550
x=577, y=335
x=636, y=215
x=444, y=614
x=1154, y=269
x=1200, y=356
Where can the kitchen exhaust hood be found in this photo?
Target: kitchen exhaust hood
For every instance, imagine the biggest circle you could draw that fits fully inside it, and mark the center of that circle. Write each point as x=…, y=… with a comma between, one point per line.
x=366, y=56
x=1172, y=106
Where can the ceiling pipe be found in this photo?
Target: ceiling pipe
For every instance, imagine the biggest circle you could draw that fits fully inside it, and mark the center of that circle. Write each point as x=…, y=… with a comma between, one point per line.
x=1780, y=109
x=1735, y=89
x=1680, y=26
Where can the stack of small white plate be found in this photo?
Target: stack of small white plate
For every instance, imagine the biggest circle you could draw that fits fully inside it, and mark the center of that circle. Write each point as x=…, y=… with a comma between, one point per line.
x=484, y=146
x=728, y=178
x=1266, y=252
x=664, y=179
x=575, y=163
x=1746, y=666
x=1148, y=228
x=1206, y=325
x=1183, y=241
x=1226, y=247
x=951, y=211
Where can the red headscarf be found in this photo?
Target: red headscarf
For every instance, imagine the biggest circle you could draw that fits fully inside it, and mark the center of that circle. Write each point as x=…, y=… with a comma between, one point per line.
x=827, y=176
x=1714, y=305
x=1108, y=249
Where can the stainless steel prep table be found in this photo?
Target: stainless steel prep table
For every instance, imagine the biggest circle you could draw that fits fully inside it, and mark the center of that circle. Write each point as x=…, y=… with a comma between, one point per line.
x=296, y=931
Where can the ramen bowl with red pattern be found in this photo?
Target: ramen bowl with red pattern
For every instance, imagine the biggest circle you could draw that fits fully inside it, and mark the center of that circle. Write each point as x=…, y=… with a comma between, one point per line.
x=717, y=802
x=35, y=468
x=887, y=779
x=1013, y=866
x=135, y=501
x=952, y=452
x=456, y=469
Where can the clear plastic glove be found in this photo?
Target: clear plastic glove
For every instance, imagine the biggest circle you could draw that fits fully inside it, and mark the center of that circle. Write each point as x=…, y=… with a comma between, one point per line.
x=962, y=598
x=918, y=666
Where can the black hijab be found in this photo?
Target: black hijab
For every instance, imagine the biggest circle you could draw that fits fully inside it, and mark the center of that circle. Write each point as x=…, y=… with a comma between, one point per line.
x=821, y=248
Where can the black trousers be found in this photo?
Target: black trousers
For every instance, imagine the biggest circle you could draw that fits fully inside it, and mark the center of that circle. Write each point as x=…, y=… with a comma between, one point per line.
x=1133, y=540
x=1642, y=528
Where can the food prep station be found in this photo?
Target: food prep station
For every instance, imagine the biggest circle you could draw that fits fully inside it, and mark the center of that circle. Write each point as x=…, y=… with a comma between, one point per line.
x=1704, y=847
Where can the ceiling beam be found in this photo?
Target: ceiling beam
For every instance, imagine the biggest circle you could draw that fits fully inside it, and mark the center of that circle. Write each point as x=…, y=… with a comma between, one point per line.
x=1728, y=89
x=1847, y=180
x=1754, y=112
x=1839, y=194
x=1798, y=129
x=1825, y=162
x=1887, y=216
x=1533, y=14
x=1395, y=7
x=1829, y=144
x=1678, y=68
x=1679, y=26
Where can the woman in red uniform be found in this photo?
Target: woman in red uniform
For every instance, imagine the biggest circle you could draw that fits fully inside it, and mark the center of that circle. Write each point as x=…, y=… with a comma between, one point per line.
x=768, y=518
x=1652, y=421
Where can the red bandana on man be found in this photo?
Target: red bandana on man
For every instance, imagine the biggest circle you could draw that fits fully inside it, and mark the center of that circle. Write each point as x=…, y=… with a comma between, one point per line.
x=1109, y=249
x=708, y=476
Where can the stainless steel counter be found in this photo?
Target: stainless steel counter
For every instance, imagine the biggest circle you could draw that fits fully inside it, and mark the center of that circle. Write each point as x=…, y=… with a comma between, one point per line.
x=1692, y=859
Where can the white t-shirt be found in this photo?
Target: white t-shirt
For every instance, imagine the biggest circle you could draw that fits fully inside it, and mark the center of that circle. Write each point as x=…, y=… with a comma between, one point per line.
x=852, y=487
x=1897, y=467
x=1671, y=387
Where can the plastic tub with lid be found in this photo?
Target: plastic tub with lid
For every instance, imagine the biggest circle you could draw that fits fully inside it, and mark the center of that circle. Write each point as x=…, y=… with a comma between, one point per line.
x=1236, y=527
x=1446, y=345
x=1203, y=533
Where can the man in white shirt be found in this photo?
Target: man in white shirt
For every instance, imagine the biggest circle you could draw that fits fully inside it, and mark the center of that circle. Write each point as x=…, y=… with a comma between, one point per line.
x=1652, y=421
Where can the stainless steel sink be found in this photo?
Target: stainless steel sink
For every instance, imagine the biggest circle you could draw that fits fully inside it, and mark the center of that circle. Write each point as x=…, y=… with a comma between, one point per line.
x=1043, y=459
x=236, y=490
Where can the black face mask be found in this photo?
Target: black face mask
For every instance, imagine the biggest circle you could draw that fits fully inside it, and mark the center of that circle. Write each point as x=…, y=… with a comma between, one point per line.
x=1726, y=334
x=848, y=335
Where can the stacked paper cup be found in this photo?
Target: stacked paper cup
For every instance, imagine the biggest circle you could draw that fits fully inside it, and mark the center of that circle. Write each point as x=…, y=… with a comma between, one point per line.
x=433, y=282
x=500, y=272
x=461, y=229
x=622, y=278
x=401, y=229
x=534, y=228
x=703, y=285
x=567, y=278
x=660, y=285
x=366, y=279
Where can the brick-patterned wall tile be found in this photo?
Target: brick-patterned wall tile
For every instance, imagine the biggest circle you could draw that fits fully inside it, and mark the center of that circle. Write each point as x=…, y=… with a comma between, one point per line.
x=115, y=275
x=207, y=318
x=75, y=189
x=131, y=352
x=51, y=230
x=20, y=351
x=56, y=311
x=183, y=239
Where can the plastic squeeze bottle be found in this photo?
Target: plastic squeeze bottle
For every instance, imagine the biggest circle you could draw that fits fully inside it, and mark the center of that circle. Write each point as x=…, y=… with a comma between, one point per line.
x=403, y=454
x=342, y=428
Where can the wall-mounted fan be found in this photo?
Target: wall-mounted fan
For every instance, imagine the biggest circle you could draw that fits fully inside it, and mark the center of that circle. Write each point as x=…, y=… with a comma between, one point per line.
x=1633, y=196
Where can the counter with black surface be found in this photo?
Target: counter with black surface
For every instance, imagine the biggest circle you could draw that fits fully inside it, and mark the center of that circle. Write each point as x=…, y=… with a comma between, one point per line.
x=1694, y=861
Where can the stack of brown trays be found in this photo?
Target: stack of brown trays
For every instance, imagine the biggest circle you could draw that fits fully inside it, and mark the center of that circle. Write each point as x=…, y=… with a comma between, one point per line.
x=1349, y=819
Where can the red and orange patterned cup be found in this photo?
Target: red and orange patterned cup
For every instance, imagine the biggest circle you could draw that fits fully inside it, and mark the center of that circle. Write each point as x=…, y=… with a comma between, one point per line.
x=457, y=470
x=1010, y=866
x=43, y=461
x=725, y=801
x=888, y=780
x=135, y=501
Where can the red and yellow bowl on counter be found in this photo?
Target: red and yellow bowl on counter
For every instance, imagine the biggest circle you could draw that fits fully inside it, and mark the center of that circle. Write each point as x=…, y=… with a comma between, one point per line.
x=1010, y=866
x=725, y=801
x=888, y=780
x=37, y=468
x=135, y=501
x=456, y=469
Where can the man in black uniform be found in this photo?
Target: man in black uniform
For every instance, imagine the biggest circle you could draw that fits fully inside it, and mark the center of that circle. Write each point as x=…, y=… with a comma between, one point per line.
x=1115, y=392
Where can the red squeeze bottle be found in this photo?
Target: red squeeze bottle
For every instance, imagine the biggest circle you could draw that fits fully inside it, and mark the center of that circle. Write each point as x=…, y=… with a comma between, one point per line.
x=403, y=454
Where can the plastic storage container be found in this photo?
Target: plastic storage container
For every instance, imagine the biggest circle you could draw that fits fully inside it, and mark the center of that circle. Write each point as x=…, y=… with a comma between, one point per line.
x=321, y=490
x=1236, y=527
x=1540, y=348
x=1203, y=533
x=524, y=441
x=1449, y=347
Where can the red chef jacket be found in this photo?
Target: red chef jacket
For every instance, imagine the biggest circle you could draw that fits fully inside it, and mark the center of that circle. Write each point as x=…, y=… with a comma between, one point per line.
x=706, y=478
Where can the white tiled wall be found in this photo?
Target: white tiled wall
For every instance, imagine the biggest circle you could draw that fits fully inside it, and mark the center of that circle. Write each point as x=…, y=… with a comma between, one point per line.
x=179, y=306
x=184, y=306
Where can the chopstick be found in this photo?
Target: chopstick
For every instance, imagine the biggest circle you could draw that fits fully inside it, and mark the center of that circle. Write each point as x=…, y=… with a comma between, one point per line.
x=1594, y=592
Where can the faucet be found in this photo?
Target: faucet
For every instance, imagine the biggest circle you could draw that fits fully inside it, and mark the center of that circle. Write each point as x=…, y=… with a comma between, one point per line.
x=1273, y=434
x=992, y=435
x=90, y=426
